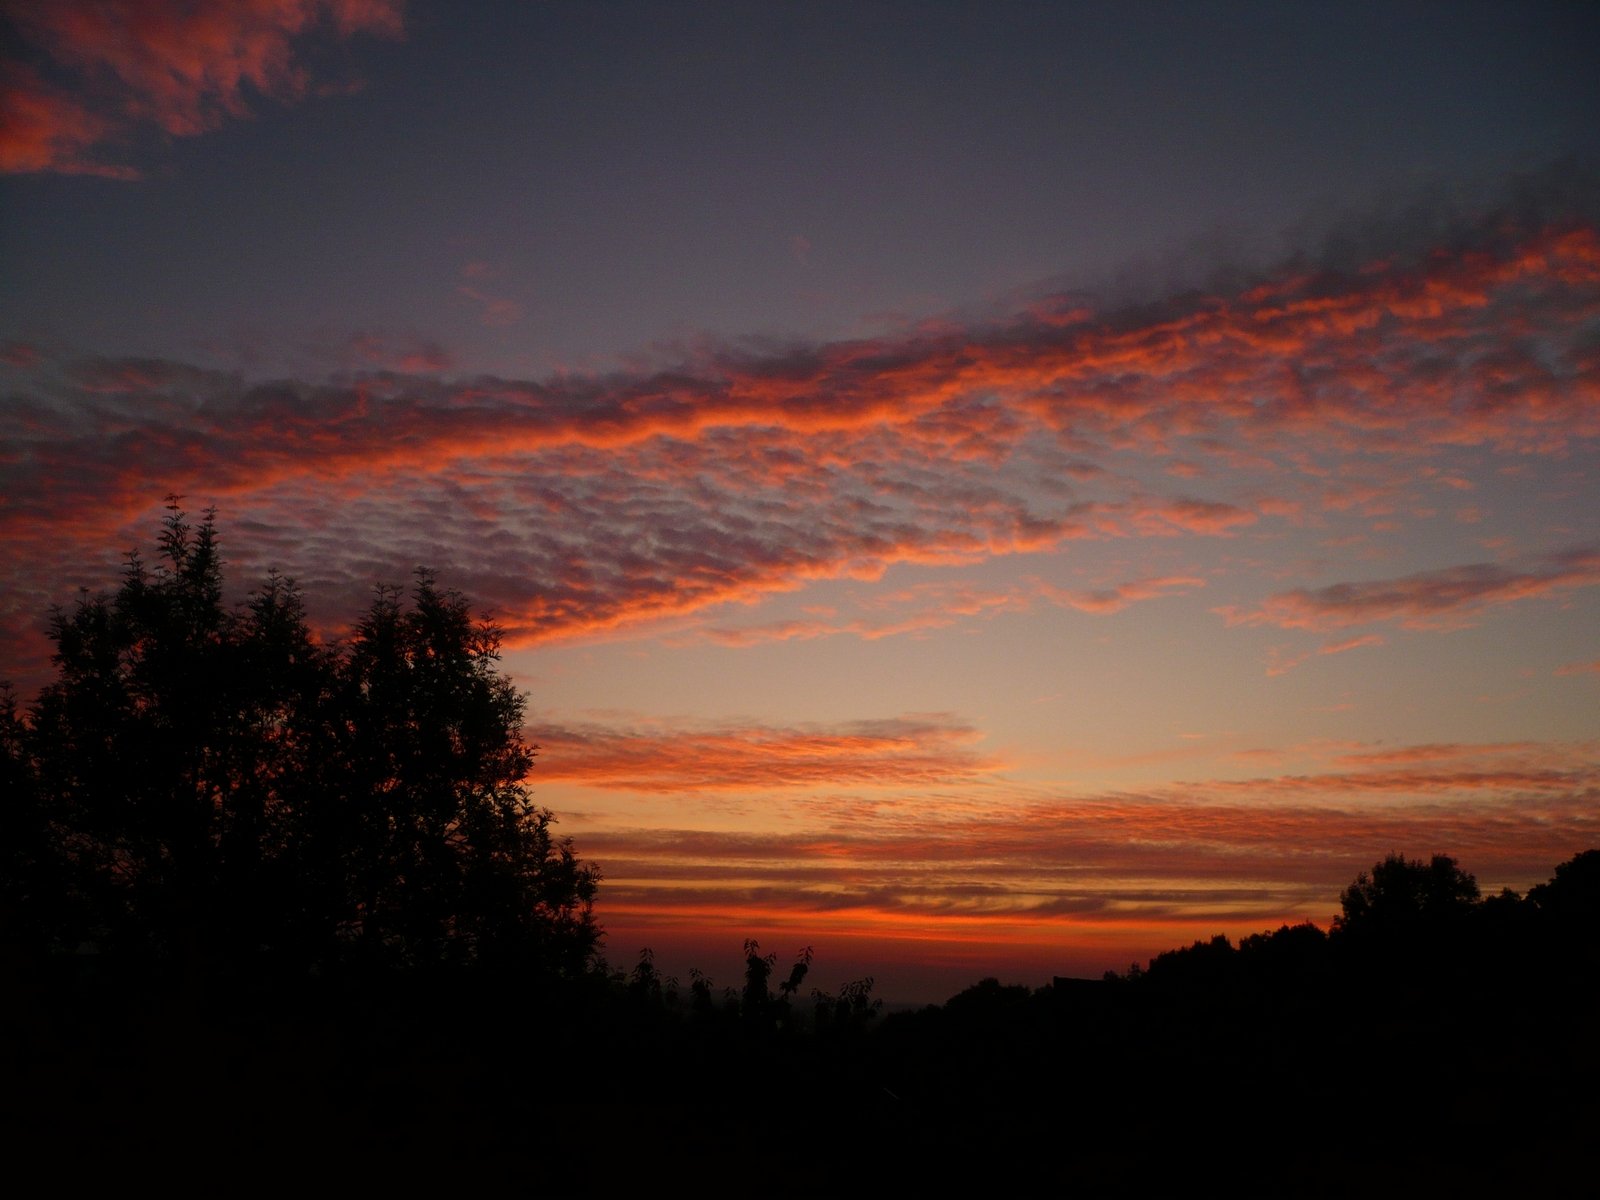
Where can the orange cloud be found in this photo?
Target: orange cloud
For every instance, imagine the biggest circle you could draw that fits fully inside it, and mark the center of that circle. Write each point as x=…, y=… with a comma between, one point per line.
x=1234, y=855
x=899, y=752
x=579, y=505
x=1280, y=664
x=1445, y=752
x=183, y=69
x=1086, y=861
x=1355, y=643
x=1192, y=516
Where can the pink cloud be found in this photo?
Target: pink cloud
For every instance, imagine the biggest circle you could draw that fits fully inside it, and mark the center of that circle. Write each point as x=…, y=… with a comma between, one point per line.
x=1115, y=599
x=411, y=355
x=494, y=310
x=1355, y=643
x=42, y=129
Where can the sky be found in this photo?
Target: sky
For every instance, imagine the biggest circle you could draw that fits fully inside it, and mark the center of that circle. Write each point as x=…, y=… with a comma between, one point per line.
x=974, y=489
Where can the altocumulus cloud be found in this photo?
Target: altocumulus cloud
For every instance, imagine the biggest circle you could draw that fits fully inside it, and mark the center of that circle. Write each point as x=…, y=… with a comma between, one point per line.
x=581, y=505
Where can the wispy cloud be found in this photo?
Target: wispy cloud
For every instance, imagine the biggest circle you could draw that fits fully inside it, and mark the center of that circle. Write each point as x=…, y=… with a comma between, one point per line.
x=657, y=758
x=1196, y=853
x=1281, y=662
x=932, y=606
x=1426, y=600
x=955, y=851
x=1115, y=599
x=494, y=308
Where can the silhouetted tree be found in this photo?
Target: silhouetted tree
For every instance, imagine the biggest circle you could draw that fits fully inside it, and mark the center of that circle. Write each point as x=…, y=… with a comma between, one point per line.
x=988, y=997
x=1203, y=964
x=1289, y=955
x=1402, y=895
x=142, y=757
x=1573, y=893
x=700, y=988
x=203, y=783
x=456, y=863
x=756, y=1001
x=850, y=1011
x=1567, y=912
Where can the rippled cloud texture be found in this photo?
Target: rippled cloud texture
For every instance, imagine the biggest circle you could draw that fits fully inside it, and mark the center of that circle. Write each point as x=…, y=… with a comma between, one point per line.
x=1326, y=465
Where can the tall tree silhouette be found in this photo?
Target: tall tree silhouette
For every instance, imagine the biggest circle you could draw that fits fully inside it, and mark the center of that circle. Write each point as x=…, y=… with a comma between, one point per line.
x=207, y=784
x=455, y=862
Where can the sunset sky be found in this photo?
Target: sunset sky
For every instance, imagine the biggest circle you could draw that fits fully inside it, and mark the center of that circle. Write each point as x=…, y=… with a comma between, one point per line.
x=976, y=489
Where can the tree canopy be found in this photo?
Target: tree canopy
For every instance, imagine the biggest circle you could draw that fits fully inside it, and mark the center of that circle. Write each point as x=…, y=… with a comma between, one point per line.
x=210, y=784
x=1401, y=894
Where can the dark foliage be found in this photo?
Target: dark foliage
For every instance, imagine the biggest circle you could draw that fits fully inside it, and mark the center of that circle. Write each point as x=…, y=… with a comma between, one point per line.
x=213, y=789
x=1404, y=897
x=1572, y=896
